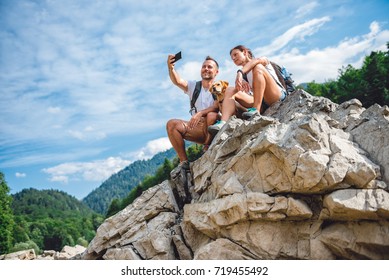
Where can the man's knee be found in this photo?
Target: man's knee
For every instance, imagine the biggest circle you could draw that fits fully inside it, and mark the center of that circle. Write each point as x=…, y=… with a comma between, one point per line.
x=212, y=117
x=172, y=125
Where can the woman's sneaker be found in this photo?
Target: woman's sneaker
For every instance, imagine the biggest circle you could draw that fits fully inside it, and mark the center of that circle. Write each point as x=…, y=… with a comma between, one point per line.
x=214, y=129
x=250, y=113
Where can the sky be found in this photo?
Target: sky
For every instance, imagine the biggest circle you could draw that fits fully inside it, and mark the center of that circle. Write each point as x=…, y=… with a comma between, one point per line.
x=84, y=84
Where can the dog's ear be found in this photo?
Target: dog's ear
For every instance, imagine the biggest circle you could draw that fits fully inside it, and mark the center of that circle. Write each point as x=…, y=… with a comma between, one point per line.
x=225, y=83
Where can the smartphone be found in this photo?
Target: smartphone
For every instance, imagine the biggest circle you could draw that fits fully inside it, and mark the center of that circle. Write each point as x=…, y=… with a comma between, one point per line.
x=177, y=57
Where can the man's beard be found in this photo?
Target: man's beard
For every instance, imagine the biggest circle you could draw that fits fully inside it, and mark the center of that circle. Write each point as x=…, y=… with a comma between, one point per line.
x=207, y=77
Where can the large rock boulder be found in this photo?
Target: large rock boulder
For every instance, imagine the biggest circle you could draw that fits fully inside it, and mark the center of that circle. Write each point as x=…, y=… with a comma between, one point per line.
x=146, y=229
x=307, y=180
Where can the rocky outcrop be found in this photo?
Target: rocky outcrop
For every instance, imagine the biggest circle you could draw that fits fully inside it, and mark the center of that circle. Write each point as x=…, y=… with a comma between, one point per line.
x=145, y=229
x=307, y=180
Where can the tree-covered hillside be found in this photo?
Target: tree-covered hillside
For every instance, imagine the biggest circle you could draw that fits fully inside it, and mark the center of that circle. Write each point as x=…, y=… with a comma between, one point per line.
x=120, y=184
x=51, y=219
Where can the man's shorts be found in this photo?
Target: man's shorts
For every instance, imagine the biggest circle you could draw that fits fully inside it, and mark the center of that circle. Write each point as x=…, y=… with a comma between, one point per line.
x=199, y=134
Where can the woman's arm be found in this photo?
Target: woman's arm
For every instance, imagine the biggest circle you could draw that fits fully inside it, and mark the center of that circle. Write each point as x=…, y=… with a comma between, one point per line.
x=242, y=85
x=254, y=62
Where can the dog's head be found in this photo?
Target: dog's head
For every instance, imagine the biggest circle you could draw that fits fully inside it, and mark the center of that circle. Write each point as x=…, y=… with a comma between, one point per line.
x=218, y=88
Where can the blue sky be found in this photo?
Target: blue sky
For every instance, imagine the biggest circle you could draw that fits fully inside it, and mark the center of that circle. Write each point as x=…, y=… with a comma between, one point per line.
x=84, y=84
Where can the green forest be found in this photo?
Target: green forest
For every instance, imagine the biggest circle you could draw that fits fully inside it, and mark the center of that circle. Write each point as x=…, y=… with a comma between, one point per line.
x=46, y=220
x=369, y=84
x=51, y=219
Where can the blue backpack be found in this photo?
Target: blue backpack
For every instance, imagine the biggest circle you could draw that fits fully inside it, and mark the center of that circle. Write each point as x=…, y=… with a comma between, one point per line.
x=285, y=77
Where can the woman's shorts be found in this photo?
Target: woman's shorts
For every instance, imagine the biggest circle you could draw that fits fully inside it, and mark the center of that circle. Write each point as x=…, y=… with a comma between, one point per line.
x=264, y=105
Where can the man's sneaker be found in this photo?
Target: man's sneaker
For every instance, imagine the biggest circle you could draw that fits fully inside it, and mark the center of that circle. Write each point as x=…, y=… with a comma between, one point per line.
x=250, y=113
x=214, y=129
x=182, y=182
x=176, y=171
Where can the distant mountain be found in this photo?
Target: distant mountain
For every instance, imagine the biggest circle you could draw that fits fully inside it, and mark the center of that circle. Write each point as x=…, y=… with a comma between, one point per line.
x=120, y=184
x=47, y=203
x=304, y=86
x=52, y=219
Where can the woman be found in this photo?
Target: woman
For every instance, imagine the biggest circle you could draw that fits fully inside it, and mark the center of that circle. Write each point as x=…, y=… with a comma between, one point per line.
x=256, y=83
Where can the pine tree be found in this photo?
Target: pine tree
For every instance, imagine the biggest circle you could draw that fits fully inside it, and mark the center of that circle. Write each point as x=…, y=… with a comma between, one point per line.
x=113, y=208
x=375, y=72
x=6, y=217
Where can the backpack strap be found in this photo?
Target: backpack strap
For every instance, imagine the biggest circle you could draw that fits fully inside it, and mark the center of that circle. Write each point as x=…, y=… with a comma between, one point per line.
x=196, y=93
x=195, y=96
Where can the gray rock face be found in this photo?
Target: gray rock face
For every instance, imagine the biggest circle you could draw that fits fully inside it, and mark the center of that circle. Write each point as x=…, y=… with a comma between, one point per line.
x=307, y=180
x=147, y=229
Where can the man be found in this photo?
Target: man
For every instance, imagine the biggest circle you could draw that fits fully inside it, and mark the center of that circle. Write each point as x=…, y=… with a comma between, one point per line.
x=204, y=113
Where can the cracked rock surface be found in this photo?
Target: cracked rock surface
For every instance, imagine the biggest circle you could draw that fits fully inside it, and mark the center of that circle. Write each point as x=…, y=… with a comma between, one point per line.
x=306, y=180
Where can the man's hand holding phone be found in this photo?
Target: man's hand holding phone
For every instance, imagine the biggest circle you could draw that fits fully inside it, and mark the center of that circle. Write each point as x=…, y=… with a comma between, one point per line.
x=177, y=57
x=174, y=58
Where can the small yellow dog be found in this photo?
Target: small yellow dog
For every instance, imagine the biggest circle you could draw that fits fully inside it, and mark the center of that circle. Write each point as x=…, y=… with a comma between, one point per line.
x=218, y=89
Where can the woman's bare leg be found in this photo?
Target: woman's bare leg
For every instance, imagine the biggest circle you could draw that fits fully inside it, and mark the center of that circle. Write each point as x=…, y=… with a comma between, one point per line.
x=264, y=87
x=229, y=105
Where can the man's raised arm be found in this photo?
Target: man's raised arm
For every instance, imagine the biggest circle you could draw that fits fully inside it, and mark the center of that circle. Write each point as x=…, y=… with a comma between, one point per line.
x=174, y=77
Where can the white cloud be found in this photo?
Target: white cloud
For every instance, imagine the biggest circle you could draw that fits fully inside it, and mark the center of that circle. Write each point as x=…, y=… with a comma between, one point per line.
x=87, y=133
x=98, y=170
x=152, y=148
x=54, y=110
x=190, y=70
x=20, y=175
x=59, y=178
x=306, y=9
x=374, y=30
x=323, y=64
x=296, y=32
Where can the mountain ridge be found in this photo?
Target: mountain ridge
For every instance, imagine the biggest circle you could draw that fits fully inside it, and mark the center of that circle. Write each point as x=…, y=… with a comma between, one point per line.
x=118, y=185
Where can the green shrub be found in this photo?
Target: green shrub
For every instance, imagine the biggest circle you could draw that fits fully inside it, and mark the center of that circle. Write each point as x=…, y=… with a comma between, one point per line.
x=22, y=246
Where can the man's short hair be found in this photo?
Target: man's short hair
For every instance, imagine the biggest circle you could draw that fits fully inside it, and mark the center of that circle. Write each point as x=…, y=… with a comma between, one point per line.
x=210, y=58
